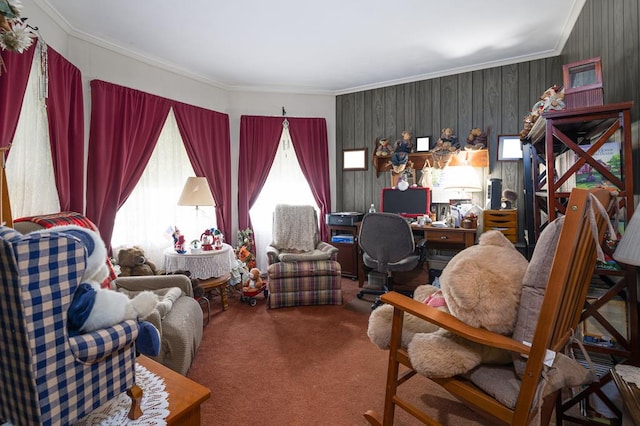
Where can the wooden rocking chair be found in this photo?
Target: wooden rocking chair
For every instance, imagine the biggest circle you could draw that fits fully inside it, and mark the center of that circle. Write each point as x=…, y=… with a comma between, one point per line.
x=570, y=267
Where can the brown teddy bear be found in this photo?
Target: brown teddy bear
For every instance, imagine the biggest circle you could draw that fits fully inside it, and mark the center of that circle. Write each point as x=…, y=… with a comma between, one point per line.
x=477, y=139
x=481, y=286
x=133, y=262
x=254, y=283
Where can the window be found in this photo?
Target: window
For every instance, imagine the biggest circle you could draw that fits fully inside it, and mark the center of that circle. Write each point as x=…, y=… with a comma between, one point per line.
x=285, y=185
x=151, y=210
x=29, y=168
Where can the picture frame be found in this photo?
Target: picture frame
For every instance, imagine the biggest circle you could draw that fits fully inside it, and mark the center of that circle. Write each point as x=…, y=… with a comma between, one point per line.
x=509, y=148
x=582, y=75
x=423, y=143
x=354, y=159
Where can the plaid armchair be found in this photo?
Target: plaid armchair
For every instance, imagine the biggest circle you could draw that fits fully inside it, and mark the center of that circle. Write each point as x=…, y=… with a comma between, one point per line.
x=302, y=269
x=46, y=376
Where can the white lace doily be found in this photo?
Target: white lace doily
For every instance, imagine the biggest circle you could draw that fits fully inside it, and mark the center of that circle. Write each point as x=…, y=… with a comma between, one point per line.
x=154, y=404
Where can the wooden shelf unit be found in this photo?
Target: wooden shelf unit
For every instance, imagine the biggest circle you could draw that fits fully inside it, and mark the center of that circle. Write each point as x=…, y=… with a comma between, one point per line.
x=579, y=133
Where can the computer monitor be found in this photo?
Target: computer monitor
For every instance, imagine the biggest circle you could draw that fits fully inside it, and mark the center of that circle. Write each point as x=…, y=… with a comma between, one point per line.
x=413, y=202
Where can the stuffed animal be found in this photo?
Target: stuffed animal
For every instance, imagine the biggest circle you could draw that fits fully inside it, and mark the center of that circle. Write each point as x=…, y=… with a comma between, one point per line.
x=477, y=139
x=481, y=286
x=383, y=148
x=133, y=262
x=401, y=150
x=94, y=308
x=447, y=139
x=254, y=282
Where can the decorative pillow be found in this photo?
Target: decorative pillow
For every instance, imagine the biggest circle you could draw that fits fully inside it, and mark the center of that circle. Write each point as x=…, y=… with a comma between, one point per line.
x=534, y=285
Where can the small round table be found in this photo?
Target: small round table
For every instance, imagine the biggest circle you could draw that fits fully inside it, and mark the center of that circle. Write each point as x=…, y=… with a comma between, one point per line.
x=202, y=265
x=211, y=268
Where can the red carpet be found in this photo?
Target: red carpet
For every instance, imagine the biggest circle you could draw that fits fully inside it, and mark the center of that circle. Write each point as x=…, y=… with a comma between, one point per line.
x=308, y=365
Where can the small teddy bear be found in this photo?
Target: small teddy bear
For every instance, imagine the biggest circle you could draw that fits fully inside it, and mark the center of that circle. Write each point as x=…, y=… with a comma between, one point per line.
x=133, y=262
x=254, y=282
x=477, y=139
x=384, y=149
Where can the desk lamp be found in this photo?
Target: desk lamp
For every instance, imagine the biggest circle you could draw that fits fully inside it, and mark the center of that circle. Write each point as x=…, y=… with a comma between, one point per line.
x=462, y=179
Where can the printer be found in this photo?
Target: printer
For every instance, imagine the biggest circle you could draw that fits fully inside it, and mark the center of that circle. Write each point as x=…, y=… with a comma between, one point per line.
x=343, y=218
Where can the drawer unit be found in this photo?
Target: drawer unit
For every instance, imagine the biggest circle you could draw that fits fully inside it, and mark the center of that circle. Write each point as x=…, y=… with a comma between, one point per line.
x=444, y=236
x=345, y=239
x=505, y=221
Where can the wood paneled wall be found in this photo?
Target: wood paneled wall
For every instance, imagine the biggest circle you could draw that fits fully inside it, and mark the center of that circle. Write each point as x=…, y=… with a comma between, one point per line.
x=496, y=98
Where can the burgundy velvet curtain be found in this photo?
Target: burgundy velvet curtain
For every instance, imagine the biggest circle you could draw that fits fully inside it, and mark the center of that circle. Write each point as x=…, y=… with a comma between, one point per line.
x=13, y=84
x=206, y=138
x=125, y=126
x=65, y=113
x=309, y=138
x=259, y=139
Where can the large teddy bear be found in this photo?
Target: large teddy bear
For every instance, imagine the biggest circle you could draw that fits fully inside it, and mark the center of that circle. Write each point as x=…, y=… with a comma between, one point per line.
x=133, y=262
x=481, y=286
x=94, y=308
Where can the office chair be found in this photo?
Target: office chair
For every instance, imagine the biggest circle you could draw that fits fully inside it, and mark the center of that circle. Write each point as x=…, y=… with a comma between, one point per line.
x=387, y=243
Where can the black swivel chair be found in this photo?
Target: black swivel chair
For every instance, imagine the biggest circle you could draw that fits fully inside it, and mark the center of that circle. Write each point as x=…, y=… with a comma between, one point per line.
x=387, y=243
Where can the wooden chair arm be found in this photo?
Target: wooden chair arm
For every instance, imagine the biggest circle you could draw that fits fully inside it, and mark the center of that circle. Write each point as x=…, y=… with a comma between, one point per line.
x=453, y=324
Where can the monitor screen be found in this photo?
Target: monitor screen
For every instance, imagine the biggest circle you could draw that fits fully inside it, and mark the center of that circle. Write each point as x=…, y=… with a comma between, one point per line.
x=413, y=202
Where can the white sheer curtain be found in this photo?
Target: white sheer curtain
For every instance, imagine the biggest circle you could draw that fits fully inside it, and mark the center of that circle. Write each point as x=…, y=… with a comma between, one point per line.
x=146, y=218
x=29, y=168
x=285, y=185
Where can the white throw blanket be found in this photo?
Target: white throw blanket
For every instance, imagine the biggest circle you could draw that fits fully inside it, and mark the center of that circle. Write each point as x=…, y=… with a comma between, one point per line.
x=294, y=228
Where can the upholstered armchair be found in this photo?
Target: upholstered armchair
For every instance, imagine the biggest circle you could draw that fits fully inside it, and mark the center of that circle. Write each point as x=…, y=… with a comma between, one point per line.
x=178, y=317
x=46, y=375
x=303, y=270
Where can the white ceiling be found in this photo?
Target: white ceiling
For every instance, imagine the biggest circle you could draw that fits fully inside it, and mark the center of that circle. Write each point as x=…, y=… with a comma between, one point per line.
x=331, y=46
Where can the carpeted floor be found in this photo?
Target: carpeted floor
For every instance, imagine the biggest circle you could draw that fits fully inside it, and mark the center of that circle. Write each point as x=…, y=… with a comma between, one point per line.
x=309, y=365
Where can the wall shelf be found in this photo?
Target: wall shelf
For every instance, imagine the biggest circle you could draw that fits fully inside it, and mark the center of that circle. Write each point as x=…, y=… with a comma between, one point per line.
x=475, y=158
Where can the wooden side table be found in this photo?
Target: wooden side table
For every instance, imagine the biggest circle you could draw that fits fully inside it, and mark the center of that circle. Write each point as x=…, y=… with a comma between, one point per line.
x=185, y=395
x=219, y=283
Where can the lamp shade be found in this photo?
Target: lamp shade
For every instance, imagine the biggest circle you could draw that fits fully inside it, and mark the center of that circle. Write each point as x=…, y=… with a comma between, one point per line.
x=196, y=192
x=628, y=249
x=462, y=179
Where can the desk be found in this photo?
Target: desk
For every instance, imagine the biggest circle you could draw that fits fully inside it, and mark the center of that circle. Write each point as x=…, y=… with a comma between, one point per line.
x=202, y=265
x=446, y=238
x=441, y=238
x=185, y=395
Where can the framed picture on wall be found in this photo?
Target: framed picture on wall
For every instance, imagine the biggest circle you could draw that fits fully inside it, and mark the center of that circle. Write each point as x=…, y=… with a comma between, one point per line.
x=354, y=159
x=423, y=143
x=509, y=148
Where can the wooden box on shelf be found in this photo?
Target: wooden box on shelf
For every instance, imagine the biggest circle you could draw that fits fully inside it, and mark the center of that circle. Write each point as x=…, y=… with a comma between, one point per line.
x=505, y=221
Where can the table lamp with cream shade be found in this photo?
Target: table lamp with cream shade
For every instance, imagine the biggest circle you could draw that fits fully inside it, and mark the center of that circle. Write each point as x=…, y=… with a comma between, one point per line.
x=462, y=179
x=459, y=182
x=196, y=192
